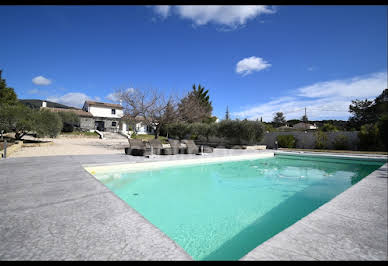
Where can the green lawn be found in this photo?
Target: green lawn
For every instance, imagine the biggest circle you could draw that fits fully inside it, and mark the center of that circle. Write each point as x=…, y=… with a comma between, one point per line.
x=148, y=137
x=79, y=133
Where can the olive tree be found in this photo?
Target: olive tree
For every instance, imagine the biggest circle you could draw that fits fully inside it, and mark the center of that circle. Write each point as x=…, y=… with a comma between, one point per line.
x=69, y=120
x=47, y=123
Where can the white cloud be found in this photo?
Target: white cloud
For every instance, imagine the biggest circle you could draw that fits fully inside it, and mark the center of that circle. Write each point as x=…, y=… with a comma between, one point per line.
x=74, y=99
x=229, y=15
x=323, y=100
x=248, y=65
x=114, y=96
x=361, y=87
x=40, y=80
x=163, y=11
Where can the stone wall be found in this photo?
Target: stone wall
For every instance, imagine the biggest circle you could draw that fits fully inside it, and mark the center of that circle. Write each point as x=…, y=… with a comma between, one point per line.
x=108, y=123
x=307, y=140
x=86, y=123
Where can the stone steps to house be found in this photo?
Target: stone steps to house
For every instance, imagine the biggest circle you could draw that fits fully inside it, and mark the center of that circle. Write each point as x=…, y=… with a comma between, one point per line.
x=111, y=135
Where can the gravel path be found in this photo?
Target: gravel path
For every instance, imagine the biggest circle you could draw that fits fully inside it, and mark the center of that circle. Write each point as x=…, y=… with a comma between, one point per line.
x=74, y=146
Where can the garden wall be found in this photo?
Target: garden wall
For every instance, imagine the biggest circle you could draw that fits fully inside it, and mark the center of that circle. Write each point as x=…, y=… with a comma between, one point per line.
x=307, y=140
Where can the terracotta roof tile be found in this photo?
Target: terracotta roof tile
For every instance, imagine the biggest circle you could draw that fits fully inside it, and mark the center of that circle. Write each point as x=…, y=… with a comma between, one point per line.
x=76, y=111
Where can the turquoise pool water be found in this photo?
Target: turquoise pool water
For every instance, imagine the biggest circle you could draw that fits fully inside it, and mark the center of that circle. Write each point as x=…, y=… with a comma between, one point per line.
x=221, y=211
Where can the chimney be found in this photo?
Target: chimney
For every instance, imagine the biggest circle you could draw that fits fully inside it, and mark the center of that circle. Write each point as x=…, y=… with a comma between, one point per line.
x=44, y=104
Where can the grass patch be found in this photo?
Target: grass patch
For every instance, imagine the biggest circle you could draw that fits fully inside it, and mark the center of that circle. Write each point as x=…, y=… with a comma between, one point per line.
x=80, y=133
x=148, y=137
x=338, y=151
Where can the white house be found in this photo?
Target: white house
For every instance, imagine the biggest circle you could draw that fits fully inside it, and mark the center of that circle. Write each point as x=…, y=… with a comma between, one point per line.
x=305, y=126
x=104, y=117
x=110, y=117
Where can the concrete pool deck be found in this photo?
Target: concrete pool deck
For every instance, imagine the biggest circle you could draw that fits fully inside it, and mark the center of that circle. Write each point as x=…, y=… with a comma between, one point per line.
x=53, y=209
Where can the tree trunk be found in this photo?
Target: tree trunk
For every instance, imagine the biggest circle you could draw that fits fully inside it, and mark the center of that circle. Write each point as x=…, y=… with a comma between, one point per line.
x=18, y=136
x=157, y=132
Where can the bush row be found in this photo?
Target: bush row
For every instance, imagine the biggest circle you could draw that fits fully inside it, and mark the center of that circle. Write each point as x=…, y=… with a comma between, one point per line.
x=235, y=131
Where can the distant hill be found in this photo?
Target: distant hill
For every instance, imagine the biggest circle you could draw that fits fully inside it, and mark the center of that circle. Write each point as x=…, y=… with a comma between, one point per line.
x=36, y=104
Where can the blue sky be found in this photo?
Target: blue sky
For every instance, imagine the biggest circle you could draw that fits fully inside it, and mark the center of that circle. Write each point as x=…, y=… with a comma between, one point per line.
x=258, y=60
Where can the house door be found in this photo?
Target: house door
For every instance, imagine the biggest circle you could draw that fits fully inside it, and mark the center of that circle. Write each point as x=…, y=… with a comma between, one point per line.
x=99, y=125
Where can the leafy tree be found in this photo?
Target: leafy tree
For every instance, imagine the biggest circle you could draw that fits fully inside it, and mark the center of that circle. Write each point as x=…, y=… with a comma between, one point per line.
x=5, y=125
x=369, y=137
x=227, y=117
x=178, y=129
x=286, y=141
x=20, y=119
x=279, y=119
x=381, y=103
x=47, y=123
x=328, y=127
x=209, y=120
x=363, y=113
x=340, y=142
x=292, y=122
x=268, y=127
x=7, y=94
x=245, y=131
x=69, y=120
x=320, y=140
x=382, y=125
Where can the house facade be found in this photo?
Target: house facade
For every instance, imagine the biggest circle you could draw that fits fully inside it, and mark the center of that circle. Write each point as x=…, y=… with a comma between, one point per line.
x=104, y=117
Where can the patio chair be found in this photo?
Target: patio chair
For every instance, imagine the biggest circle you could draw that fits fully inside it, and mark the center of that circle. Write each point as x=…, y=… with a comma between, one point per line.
x=191, y=147
x=158, y=149
x=176, y=146
x=137, y=148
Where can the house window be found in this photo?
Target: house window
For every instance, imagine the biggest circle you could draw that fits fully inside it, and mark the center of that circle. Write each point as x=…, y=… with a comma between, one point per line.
x=113, y=124
x=113, y=111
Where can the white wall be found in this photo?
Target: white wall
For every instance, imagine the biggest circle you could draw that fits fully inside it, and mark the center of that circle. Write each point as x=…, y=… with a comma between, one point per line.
x=105, y=112
x=141, y=129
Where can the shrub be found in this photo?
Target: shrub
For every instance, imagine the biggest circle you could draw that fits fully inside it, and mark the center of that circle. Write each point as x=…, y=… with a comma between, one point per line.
x=320, y=140
x=245, y=131
x=251, y=132
x=328, y=127
x=178, y=130
x=286, y=141
x=369, y=137
x=382, y=124
x=340, y=142
x=228, y=129
x=47, y=123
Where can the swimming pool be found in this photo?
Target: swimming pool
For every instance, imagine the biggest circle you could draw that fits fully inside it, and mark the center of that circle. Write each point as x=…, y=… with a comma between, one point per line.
x=223, y=210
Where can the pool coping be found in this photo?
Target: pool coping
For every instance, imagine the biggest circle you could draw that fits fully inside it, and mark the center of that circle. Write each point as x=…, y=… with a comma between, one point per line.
x=330, y=231
x=143, y=166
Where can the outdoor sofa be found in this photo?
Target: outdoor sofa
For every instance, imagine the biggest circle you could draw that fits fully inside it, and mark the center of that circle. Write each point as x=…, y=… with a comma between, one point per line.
x=137, y=148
